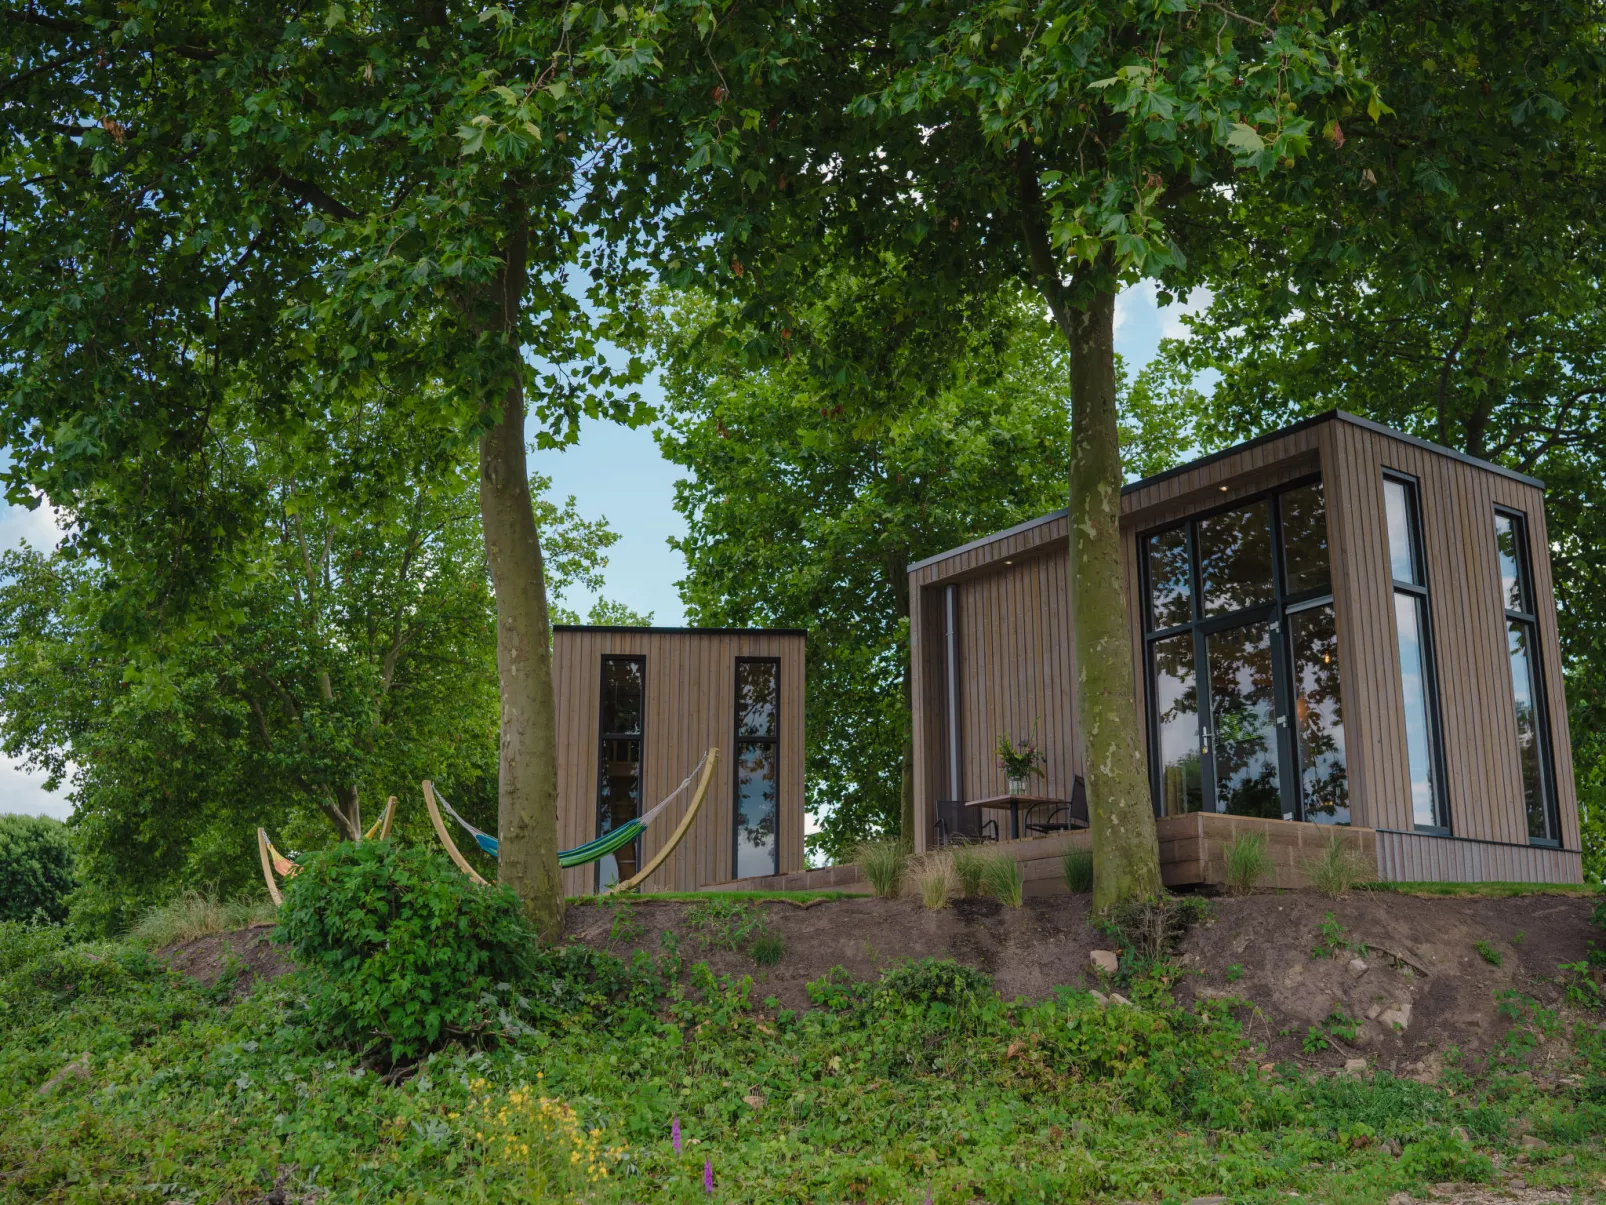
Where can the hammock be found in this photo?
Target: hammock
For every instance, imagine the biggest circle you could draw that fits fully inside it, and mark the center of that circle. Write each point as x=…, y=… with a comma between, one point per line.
x=276, y=863
x=580, y=855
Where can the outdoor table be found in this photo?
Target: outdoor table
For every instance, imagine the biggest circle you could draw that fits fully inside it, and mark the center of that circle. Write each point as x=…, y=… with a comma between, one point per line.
x=1014, y=802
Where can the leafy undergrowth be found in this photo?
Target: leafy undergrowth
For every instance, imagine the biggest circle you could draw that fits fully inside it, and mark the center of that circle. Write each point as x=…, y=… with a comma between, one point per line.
x=923, y=1082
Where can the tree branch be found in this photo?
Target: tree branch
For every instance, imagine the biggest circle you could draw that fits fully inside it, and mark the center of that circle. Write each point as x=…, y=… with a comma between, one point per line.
x=311, y=194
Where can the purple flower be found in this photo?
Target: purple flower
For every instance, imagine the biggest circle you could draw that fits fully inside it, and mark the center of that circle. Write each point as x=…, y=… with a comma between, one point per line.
x=928, y=1196
x=674, y=1134
x=708, y=1176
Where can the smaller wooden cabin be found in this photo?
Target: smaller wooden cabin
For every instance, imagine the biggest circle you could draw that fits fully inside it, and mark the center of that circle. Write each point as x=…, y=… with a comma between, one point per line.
x=1334, y=624
x=638, y=708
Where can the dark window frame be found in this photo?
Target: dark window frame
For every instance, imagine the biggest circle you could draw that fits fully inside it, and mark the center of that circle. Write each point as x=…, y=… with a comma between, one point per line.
x=1536, y=661
x=738, y=740
x=1274, y=611
x=604, y=736
x=1422, y=593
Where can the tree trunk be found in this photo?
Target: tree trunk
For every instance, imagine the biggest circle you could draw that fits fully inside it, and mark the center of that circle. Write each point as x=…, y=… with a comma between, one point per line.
x=527, y=810
x=1126, y=851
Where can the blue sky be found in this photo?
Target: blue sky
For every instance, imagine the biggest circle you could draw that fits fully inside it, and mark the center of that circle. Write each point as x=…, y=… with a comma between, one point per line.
x=612, y=472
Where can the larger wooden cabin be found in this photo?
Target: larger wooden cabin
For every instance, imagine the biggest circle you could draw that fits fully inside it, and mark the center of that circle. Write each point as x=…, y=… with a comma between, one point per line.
x=638, y=708
x=1334, y=625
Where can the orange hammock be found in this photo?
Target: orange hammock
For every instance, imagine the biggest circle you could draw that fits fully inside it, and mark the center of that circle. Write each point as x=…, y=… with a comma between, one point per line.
x=276, y=865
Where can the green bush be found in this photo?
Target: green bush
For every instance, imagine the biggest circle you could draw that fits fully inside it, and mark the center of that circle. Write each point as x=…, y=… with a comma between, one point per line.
x=36, y=869
x=399, y=950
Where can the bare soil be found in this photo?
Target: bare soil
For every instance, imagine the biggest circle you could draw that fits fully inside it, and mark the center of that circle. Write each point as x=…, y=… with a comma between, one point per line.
x=246, y=953
x=1417, y=952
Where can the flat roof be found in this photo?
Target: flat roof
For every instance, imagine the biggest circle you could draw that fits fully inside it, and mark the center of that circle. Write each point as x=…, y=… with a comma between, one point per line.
x=1326, y=416
x=625, y=627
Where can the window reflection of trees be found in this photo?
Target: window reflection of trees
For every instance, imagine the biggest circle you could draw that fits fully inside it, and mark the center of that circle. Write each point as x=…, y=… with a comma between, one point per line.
x=1170, y=591
x=1177, y=707
x=1304, y=519
x=1318, y=720
x=1243, y=700
x=757, y=810
x=1235, y=564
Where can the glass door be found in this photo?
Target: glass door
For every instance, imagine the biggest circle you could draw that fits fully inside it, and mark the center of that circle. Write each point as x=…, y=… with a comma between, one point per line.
x=1242, y=735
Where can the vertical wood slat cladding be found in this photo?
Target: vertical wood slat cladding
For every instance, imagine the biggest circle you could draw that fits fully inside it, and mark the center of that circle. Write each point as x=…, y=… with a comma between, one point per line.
x=690, y=706
x=1008, y=618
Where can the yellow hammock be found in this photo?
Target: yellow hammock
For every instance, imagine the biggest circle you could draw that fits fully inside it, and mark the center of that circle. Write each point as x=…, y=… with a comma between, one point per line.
x=579, y=856
x=275, y=863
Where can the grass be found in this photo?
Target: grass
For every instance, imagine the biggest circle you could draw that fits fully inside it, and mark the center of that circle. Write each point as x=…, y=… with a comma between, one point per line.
x=1497, y=891
x=1338, y=869
x=925, y=1081
x=692, y=897
x=933, y=880
x=882, y=864
x=1488, y=953
x=1077, y=866
x=198, y=914
x=1247, y=860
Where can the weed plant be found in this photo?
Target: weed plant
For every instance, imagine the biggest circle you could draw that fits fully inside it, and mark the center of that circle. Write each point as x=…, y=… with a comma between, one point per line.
x=1488, y=953
x=197, y=914
x=767, y=949
x=1247, y=861
x=882, y=863
x=1003, y=879
x=922, y=1082
x=726, y=922
x=1077, y=865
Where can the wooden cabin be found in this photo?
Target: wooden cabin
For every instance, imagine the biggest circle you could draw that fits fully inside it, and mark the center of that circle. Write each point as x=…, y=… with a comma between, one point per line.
x=1333, y=625
x=638, y=708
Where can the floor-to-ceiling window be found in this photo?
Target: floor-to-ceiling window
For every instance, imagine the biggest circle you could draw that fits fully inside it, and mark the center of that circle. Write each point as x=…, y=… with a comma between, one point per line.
x=624, y=681
x=1414, y=634
x=1242, y=656
x=1527, y=679
x=758, y=804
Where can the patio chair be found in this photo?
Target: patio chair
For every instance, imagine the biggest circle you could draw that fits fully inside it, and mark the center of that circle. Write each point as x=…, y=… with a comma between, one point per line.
x=1061, y=816
x=959, y=824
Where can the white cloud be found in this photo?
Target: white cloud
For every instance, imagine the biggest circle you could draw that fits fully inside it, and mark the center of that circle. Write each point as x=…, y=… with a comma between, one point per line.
x=1171, y=316
x=24, y=791
x=39, y=528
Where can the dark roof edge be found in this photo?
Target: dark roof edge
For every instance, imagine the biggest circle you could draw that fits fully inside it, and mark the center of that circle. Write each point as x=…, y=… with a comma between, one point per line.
x=997, y=535
x=625, y=627
x=1429, y=445
x=1325, y=416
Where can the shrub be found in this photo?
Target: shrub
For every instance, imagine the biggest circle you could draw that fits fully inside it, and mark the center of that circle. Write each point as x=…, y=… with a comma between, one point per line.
x=36, y=869
x=197, y=914
x=1003, y=879
x=935, y=981
x=399, y=950
x=1078, y=867
x=970, y=866
x=1338, y=868
x=933, y=879
x=1148, y=931
x=1247, y=860
x=882, y=863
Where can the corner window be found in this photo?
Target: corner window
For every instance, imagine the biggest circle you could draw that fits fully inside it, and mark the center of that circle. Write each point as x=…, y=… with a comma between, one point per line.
x=1527, y=678
x=756, y=814
x=1242, y=656
x=1414, y=636
x=624, y=681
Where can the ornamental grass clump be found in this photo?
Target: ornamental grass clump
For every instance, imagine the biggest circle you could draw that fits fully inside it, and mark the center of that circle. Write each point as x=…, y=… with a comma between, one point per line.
x=198, y=914
x=1338, y=869
x=970, y=868
x=1247, y=859
x=1003, y=879
x=932, y=879
x=882, y=863
x=1078, y=867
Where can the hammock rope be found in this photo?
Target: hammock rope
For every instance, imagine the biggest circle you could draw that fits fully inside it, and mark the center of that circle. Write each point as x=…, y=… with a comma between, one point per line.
x=591, y=851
